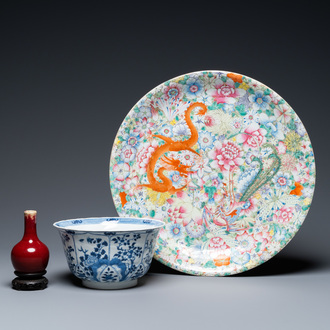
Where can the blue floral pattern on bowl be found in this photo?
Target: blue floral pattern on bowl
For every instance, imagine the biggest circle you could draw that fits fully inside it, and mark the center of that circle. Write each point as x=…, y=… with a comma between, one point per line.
x=109, y=256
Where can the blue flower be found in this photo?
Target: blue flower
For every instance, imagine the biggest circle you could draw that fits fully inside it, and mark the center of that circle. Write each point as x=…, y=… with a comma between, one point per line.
x=131, y=139
x=280, y=235
x=205, y=140
x=176, y=179
x=175, y=230
x=259, y=100
x=251, y=117
x=143, y=112
x=193, y=87
x=240, y=259
x=282, y=180
x=166, y=130
x=128, y=153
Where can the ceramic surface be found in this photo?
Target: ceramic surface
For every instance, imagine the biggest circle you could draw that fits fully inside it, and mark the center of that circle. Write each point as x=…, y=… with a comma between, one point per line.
x=224, y=161
x=109, y=259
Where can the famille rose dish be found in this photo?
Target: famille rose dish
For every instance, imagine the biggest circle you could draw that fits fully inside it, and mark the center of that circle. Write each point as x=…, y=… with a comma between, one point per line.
x=224, y=161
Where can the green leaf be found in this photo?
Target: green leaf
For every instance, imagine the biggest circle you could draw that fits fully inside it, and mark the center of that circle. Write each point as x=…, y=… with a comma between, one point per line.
x=189, y=240
x=268, y=112
x=220, y=175
x=292, y=125
x=251, y=91
x=215, y=106
x=210, y=191
x=298, y=154
x=204, y=238
x=267, y=91
x=210, y=264
x=258, y=247
x=241, y=109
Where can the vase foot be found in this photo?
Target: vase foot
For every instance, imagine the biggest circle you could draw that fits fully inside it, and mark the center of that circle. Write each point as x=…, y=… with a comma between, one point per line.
x=109, y=285
x=29, y=284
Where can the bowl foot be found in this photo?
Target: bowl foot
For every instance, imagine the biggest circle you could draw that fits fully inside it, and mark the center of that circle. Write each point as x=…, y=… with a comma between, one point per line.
x=109, y=285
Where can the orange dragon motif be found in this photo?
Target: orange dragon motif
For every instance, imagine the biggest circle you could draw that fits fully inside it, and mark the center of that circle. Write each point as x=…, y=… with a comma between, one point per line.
x=166, y=185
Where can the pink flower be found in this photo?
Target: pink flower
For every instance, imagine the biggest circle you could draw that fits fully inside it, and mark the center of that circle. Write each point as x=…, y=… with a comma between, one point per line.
x=284, y=215
x=128, y=153
x=131, y=185
x=281, y=149
x=173, y=91
x=249, y=206
x=305, y=146
x=252, y=137
x=218, y=243
x=182, y=211
x=275, y=97
x=143, y=156
x=225, y=92
x=288, y=163
x=209, y=121
x=143, y=126
x=246, y=242
x=226, y=155
x=301, y=172
x=264, y=238
x=121, y=171
x=182, y=256
x=177, y=213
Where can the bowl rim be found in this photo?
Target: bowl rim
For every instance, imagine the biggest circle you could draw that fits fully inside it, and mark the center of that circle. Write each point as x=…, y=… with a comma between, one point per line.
x=154, y=224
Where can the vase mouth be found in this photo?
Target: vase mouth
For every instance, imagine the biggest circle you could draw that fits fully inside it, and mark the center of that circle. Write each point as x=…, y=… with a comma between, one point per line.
x=30, y=212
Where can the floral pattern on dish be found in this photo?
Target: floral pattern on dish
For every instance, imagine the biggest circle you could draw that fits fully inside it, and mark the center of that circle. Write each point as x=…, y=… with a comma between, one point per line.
x=225, y=162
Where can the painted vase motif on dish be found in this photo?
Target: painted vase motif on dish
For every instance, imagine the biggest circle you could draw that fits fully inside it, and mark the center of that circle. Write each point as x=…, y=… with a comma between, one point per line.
x=224, y=161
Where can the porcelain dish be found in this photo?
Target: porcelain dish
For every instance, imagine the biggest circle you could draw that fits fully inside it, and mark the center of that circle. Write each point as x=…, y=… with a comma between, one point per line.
x=109, y=253
x=224, y=161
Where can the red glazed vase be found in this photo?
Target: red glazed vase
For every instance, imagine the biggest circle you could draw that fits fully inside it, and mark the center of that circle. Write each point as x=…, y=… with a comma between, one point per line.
x=30, y=255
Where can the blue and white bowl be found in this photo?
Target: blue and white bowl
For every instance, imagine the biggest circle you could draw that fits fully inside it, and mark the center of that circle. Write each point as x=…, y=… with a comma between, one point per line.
x=109, y=253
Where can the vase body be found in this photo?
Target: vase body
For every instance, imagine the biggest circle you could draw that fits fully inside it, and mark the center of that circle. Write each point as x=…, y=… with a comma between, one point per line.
x=30, y=255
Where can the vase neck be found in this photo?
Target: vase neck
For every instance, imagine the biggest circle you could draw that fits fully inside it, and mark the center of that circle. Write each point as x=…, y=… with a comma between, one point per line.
x=30, y=226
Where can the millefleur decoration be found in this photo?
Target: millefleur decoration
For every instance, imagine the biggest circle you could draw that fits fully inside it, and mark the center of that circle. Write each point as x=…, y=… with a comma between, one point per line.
x=224, y=161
